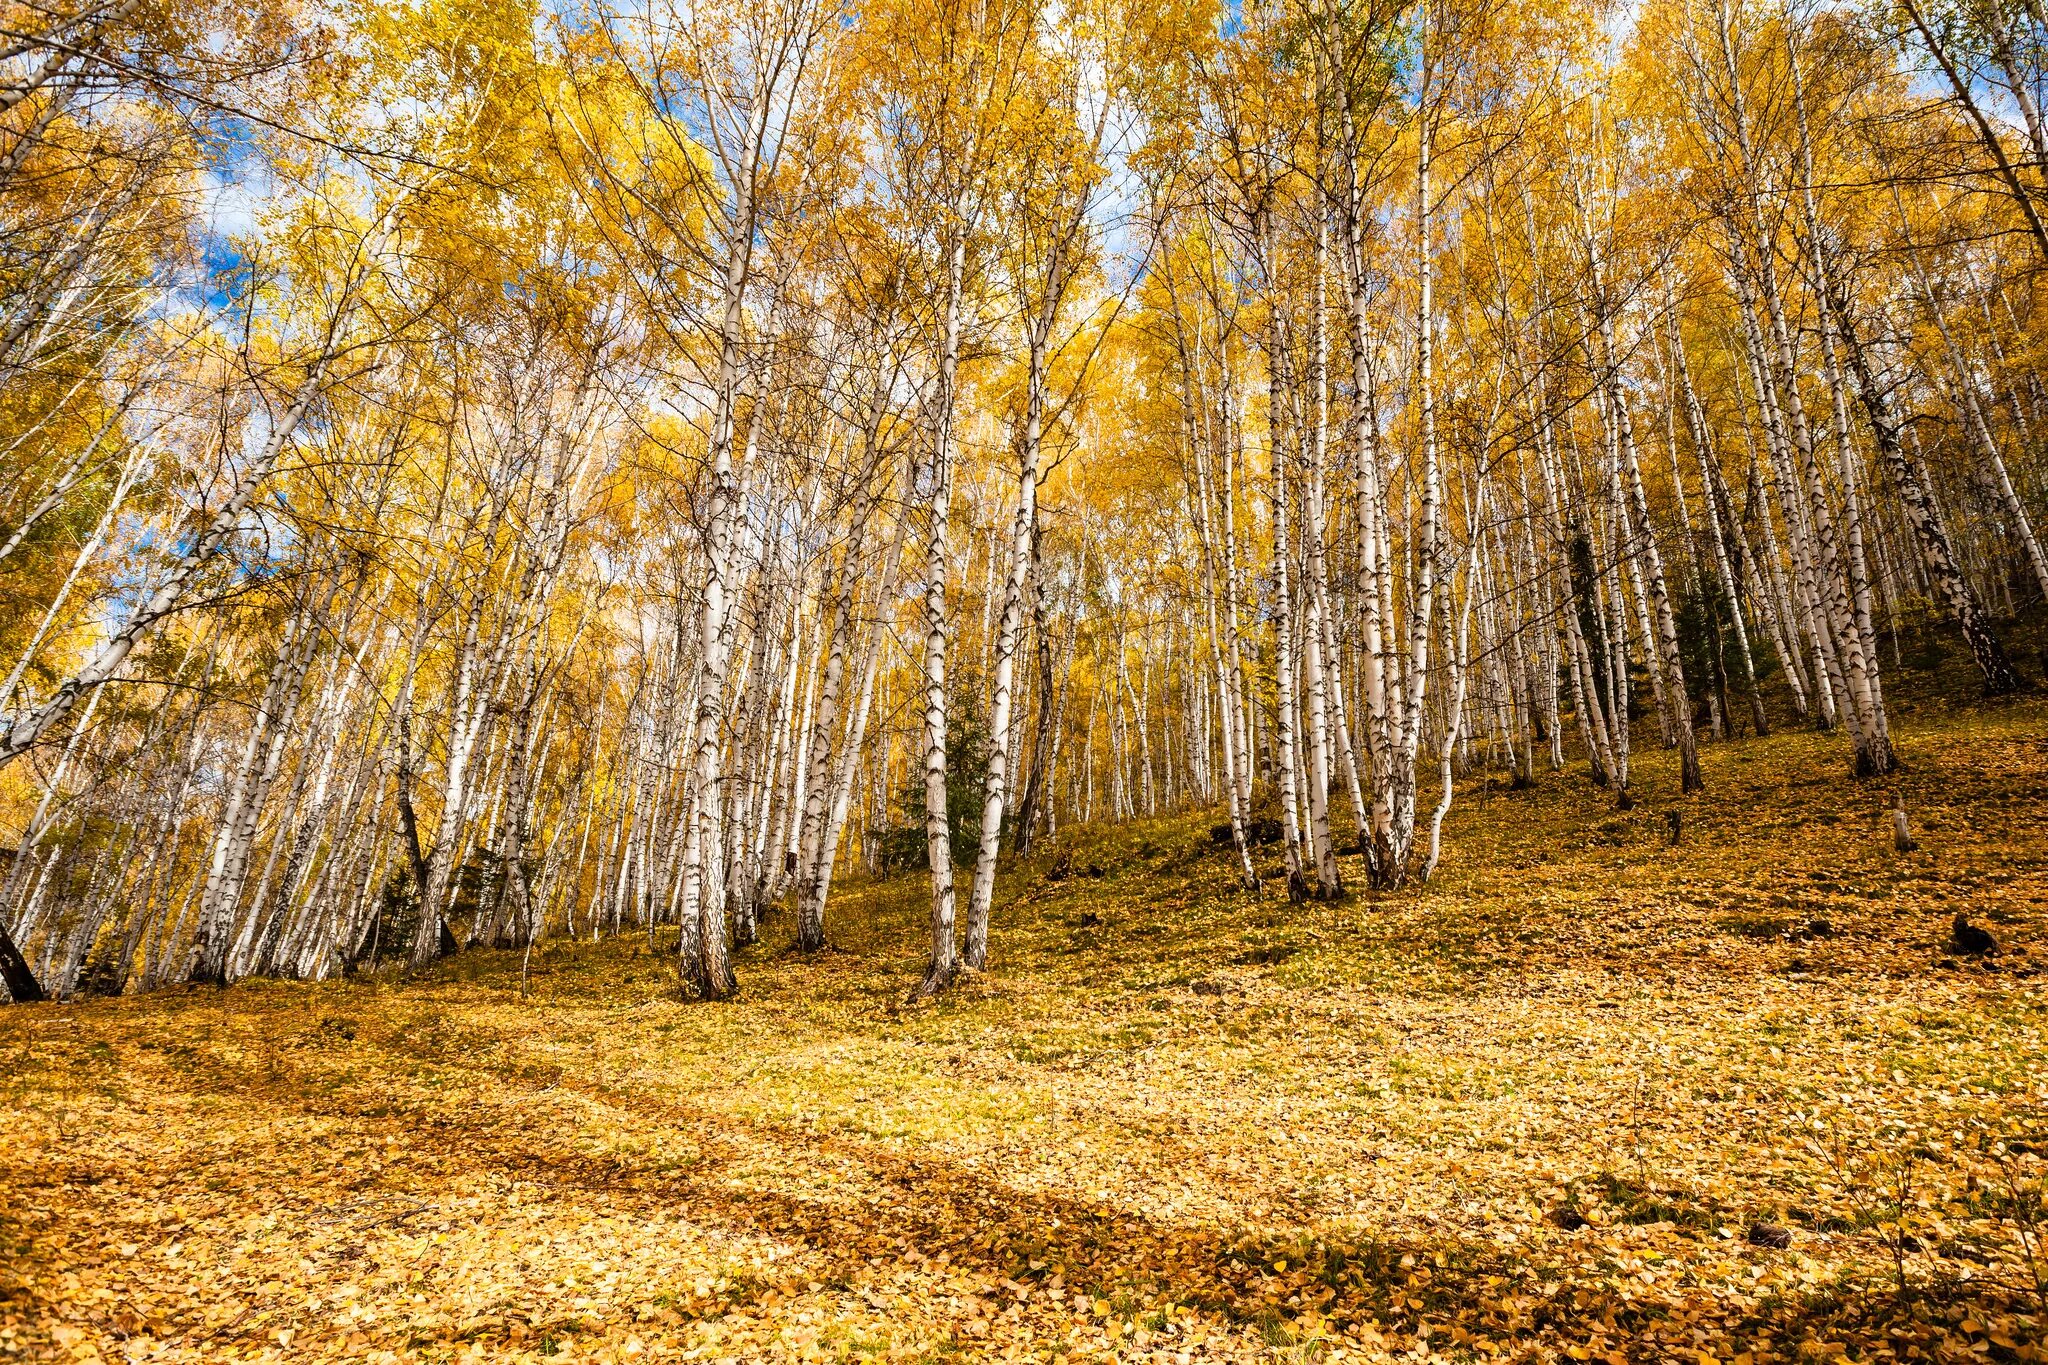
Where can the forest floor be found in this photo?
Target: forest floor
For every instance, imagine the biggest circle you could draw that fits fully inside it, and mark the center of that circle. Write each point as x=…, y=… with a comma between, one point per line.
x=1587, y=1096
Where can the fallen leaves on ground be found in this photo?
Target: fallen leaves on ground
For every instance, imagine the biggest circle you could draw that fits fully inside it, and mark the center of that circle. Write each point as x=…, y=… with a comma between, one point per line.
x=1588, y=1097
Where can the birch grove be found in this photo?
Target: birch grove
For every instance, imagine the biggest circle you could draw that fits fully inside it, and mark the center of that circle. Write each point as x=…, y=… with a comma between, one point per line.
x=495, y=478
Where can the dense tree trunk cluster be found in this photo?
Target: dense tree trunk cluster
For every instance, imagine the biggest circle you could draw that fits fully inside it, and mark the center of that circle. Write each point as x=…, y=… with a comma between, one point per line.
x=619, y=485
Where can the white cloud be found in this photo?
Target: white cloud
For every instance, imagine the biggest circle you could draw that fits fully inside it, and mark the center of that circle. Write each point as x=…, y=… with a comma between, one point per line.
x=232, y=199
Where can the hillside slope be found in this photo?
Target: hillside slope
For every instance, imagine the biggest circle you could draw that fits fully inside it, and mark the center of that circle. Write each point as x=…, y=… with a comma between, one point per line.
x=1588, y=1093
